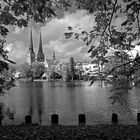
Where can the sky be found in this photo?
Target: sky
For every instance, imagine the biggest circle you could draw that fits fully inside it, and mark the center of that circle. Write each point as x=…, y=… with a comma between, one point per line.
x=53, y=38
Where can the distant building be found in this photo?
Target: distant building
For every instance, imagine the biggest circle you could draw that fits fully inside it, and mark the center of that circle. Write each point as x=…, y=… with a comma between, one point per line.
x=53, y=65
x=87, y=68
x=40, y=55
x=30, y=55
x=17, y=74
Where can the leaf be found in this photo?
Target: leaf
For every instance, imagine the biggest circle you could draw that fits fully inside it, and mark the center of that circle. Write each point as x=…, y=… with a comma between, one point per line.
x=124, y=23
x=84, y=32
x=138, y=43
x=6, y=8
x=76, y=36
x=68, y=35
x=3, y=65
x=85, y=39
x=70, y=28
x=89, y=41
x=91, y=48
x=92, y=82
x=94, y=53
x=3, y=31
x=129, y=6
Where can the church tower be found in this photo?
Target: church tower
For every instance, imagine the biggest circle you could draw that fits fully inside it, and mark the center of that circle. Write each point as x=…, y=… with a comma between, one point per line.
x=40, y=55
x=31, y=55
x=53, y=55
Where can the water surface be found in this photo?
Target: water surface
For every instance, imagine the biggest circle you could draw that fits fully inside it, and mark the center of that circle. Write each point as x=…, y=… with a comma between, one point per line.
x=41, y=99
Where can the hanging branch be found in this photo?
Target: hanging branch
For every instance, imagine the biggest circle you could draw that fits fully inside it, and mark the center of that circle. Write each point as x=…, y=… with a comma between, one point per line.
x=109, y=24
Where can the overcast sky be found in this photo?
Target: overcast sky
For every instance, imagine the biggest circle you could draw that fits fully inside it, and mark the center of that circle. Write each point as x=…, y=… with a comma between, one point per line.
x=52, y=38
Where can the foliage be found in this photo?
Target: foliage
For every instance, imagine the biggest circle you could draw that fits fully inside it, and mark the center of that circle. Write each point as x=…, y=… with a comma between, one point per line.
x=34, y=71
x=66, y=73
x=55, y=75
x=25, y=70
x=72, y=68
x=117, y=29
x=8, y=73
x=37, y=70
x=110, y=36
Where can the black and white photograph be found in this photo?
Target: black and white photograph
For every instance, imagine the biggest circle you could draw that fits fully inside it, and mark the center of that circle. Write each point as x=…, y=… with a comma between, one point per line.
x=69, y=69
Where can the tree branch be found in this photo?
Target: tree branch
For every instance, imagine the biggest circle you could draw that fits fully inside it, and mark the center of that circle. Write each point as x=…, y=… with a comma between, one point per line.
x=7, y=3
x=138, y=22
x=124, y=64
x=108, y=25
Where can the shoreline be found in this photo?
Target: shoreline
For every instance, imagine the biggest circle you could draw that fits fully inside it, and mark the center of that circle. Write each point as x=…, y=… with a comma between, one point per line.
x=61, y=132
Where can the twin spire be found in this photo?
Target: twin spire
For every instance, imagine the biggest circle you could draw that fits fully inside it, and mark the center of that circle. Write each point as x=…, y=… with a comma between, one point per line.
x=31, y=54
x=31, y=41
x=40, y=54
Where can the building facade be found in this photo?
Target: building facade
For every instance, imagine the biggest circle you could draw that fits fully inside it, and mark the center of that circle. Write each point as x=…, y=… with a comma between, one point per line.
x=30, y=58
x=40, y=57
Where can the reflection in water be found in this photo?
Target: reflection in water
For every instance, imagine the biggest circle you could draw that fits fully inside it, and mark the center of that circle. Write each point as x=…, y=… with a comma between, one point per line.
x=10, y=113
x=36, y=101
x=6, y=112
x=42, y=99
x=39, y=97
x=31, y=101
x=1, y=112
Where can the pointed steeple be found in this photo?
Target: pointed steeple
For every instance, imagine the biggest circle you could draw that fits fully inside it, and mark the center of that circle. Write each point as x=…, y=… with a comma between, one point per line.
x=137, y=55
x=31, y=41
x=53, y=55
x=40, y=55
x=137, y=58
x=31, y=55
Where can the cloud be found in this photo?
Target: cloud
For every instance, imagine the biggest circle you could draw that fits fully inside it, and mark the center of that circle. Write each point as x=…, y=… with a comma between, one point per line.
x=18, y=30
x=17, y=52
x=8, y=47
x=56, y=28
x=79, y=19
x=53, y=37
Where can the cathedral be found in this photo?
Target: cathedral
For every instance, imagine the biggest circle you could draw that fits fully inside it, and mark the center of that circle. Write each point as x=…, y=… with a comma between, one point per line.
x=40, y=55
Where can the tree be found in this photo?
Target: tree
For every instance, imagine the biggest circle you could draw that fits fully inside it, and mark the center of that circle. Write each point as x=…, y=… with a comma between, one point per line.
x=72, y=67
x=54, y=75
x=120, y=37
x=66, y=72
x=37, y=70
x=8, y=73
x=25, y=70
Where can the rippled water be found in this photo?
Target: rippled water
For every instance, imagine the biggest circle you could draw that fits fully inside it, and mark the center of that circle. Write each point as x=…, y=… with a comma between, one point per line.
x=41, y=99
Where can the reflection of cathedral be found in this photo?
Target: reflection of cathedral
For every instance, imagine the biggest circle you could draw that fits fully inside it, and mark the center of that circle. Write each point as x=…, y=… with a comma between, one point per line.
x=40, y=55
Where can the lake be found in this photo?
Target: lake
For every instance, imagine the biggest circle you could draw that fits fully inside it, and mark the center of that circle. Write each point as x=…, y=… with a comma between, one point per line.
x=41, y=99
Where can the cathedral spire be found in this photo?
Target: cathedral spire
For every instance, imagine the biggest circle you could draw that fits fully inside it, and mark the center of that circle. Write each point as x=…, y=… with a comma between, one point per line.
x=137, y=55
x=53, y=55
x=31, y=54
x=31, y=41
x=40, y=55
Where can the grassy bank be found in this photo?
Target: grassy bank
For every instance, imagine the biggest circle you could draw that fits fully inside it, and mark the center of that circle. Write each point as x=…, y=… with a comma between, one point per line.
x=99, y=132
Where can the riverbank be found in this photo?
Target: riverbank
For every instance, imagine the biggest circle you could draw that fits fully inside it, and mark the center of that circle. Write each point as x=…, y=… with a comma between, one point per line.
x=98, y=132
